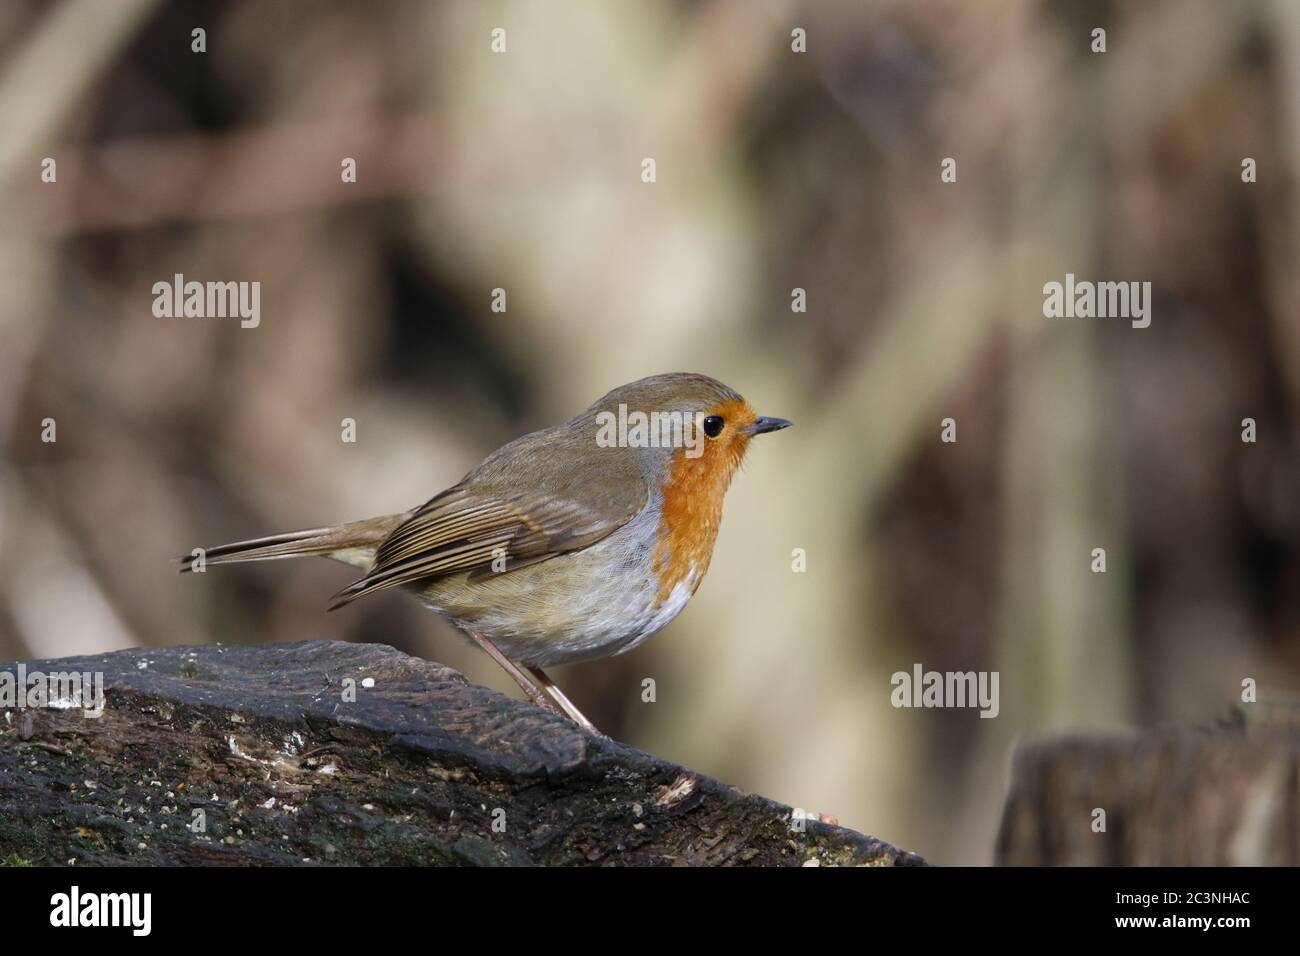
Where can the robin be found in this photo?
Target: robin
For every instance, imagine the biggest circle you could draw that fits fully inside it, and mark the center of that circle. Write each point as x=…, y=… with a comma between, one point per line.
x=569, y=544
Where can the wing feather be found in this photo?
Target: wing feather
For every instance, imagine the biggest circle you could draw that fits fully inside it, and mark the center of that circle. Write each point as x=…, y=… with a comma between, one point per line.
x=467, y=528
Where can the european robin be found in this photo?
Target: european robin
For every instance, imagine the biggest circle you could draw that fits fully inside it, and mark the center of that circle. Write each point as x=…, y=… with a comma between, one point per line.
x=569, y=544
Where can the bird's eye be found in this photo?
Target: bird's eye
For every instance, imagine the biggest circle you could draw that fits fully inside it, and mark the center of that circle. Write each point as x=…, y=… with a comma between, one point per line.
x=713, y=426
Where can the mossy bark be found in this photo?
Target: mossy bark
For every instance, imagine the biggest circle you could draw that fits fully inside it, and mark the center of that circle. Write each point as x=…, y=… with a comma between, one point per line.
x=282, y=754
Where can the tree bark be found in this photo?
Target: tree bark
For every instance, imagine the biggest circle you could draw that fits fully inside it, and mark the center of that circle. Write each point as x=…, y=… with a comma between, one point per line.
x=263, y=755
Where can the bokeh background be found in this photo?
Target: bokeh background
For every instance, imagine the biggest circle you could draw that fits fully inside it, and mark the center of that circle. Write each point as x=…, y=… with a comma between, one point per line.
x=776, y=170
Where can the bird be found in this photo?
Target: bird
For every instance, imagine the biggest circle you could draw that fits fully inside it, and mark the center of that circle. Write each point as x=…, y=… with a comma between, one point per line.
x=573, y=543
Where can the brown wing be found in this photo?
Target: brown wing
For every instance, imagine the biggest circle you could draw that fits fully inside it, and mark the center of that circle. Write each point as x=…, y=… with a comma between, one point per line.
x=466, y=528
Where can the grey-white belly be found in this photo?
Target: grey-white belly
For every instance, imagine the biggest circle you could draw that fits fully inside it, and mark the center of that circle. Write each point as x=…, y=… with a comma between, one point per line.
x=598, y=602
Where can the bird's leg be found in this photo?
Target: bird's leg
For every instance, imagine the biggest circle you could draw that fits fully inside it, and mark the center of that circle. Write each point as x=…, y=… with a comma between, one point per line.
x=531, y=690
x=566, y=705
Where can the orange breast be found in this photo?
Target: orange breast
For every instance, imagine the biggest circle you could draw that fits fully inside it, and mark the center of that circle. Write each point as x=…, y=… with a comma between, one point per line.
x=692, y=505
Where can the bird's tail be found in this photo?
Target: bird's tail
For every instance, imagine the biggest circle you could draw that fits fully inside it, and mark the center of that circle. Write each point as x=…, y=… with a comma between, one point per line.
x=354, y=543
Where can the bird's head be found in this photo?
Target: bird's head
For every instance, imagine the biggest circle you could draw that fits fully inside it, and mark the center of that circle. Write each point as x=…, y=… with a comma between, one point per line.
x=692, y=433
x=686, y=426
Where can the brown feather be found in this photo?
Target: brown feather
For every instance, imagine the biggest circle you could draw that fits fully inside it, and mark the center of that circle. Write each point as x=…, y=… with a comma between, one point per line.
x=573, y=498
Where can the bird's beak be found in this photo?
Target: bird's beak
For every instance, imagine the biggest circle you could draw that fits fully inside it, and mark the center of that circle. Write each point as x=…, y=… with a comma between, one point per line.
x=765, y=424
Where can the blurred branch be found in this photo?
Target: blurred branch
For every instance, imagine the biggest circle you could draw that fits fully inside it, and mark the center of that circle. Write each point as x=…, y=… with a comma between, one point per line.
x=1285, y=290
x=71, y=48
x=271, y=172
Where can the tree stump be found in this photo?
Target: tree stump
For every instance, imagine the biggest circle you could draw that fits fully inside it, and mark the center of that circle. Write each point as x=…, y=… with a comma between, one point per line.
x=1227, y=795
